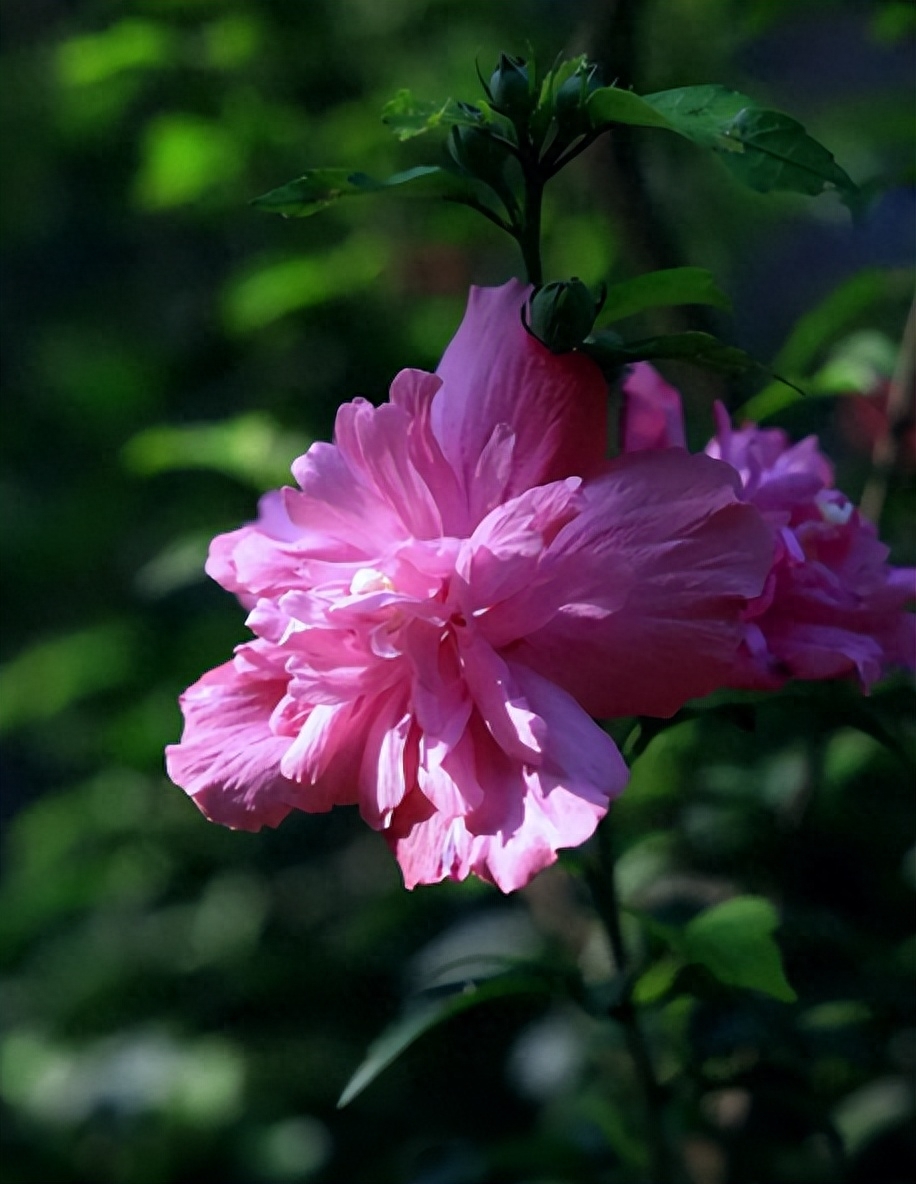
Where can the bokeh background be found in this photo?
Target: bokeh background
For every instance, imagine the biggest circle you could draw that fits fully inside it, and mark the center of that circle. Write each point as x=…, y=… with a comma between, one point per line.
x=182, y=1003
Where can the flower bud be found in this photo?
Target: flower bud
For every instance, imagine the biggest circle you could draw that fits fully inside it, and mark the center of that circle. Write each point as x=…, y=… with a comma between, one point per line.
x=571, y=97
x=510, y=87
x=477, y=153
x=561, y=315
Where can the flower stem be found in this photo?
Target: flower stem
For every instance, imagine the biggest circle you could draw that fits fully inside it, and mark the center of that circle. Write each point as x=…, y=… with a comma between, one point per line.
x=604, y=893
x=529, y=233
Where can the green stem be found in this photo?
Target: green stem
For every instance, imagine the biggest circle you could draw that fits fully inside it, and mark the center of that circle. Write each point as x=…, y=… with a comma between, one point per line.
x=529, y=234
x=604, y=892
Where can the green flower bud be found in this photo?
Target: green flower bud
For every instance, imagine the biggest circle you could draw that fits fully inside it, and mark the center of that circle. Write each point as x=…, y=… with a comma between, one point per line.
x=561, y=315
x=569, y=101
x=510, y=87
x=477, y=153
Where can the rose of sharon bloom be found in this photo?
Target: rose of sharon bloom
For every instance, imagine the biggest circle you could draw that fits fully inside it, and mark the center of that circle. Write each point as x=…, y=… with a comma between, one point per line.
x=460, y=581
x=832, y=605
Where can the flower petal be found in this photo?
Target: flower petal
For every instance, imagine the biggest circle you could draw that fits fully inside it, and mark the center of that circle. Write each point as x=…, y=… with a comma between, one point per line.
x=525, y=814
x=494, y=372
x=228, y=759
x=694, y=555
x=651, y=414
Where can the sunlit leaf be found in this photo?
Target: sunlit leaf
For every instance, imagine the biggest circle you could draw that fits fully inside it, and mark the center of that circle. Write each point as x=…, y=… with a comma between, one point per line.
x=676, y=285
x=49, y=676
x=251, y=448
x=318, y=188
x=125, y=46
x=408, y=116
x=838, y=312
x=404, y=1032
x=855, y=367
x=873, y=1108
x=734, y=941
x=184, y=157
x=273, y=289
x=231, y=41
x=176, y=566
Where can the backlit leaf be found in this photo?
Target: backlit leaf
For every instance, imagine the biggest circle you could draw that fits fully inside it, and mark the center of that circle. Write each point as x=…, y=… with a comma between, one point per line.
x=408, y=116
x=734, y=941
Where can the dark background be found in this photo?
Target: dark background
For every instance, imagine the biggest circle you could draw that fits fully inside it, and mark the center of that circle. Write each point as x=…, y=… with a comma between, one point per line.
x=182, y=1003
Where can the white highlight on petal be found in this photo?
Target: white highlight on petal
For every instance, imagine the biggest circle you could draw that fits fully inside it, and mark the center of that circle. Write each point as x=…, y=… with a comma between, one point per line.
x=370, y=579
x=836, y=512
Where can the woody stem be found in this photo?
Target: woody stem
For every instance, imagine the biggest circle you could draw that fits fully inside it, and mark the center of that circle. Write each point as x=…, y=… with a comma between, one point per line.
x=604, y=893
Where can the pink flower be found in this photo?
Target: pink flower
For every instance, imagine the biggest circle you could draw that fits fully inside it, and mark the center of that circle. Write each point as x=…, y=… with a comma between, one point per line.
x=458, y=583
x=832, y=605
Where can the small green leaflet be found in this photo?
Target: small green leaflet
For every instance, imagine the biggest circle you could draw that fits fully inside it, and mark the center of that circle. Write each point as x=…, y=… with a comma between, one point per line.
x=765, y=149
x=675, y=285
x=423, y=1018
x=318, y=188
x=734, y=941
x=408, y=116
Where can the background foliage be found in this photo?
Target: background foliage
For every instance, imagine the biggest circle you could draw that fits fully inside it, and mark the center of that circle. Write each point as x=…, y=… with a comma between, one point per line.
x=182, y=1003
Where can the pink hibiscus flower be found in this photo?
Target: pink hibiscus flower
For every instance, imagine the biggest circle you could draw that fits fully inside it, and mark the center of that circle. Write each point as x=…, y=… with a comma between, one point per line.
x=832, y=605
x=460, y=581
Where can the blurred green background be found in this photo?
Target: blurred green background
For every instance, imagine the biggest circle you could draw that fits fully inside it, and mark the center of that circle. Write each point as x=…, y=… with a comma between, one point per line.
x=182, y=1003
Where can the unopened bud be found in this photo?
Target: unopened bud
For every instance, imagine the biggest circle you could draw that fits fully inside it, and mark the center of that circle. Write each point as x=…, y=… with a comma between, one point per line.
x=477, y=152
x=570, y=99
x=561, y=315
x=510, y=87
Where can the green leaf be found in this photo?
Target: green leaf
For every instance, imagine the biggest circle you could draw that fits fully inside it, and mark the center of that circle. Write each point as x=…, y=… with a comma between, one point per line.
x=408, y=116
x=840, y=311
x=675, y=285
x=701, y=348
x=318, y=188
x=47, y=678
x=765, y=149
x=734, y=942
x=855, y=367
x=402, y=1034
x=655, y=982
x=611, y=104
x=252, y=448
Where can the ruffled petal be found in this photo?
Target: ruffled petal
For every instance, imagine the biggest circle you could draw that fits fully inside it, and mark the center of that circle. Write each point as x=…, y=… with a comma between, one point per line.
x=525, y=815
x=374, y=441
x=228, y=759
x=693, y=556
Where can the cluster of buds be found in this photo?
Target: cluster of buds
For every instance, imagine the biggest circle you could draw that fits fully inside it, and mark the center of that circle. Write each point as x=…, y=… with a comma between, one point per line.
x=550, y=111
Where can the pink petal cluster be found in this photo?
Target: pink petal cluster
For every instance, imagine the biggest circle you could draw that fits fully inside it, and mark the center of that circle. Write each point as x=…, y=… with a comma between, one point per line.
x=457, y=584
x=832, y=605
